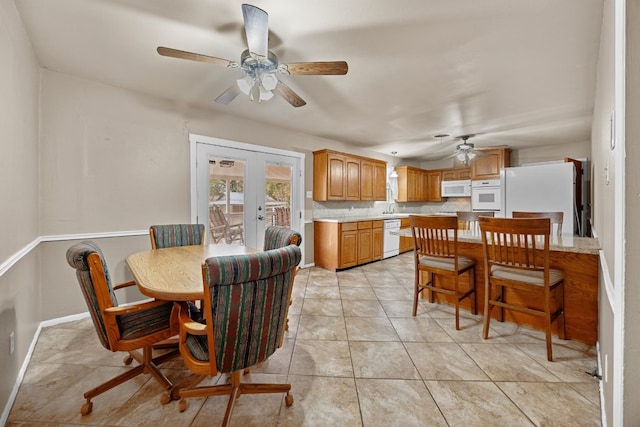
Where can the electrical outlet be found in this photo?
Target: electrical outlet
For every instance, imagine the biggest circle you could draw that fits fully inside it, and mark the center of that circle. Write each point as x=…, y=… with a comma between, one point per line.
x=309, y=195
x=12, y=342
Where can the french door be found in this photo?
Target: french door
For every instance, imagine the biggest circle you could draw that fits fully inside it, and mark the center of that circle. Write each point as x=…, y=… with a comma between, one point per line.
x=240, y=189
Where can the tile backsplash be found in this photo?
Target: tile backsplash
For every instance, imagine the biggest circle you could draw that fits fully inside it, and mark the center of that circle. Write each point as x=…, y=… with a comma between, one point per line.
x=357, y=208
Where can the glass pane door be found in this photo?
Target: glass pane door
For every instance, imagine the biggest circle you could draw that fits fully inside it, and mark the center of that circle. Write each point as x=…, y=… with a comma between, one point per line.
x=239, y=192
x=226, y=200
x=278, y=184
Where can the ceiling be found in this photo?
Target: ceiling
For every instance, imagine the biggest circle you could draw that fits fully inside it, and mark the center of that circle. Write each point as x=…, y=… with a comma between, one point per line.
x=518, y=73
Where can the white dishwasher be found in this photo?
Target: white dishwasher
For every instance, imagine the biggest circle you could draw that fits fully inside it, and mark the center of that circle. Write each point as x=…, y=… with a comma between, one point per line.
x=391, y=241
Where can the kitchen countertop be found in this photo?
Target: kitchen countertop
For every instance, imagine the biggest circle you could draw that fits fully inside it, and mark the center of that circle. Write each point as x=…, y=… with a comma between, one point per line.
x=564, y=243
x=373, y=217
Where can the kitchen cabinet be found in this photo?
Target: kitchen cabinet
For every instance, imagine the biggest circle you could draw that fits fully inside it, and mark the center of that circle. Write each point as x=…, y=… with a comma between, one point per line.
x=347, y=244
x=373, y=180
x=487, y=165
x=378, y=239
x=418, y=185
x=433, y=187
x=456, y=174
x=406, y=243
x=379, y=180
x=340, y=176
x=353, y=178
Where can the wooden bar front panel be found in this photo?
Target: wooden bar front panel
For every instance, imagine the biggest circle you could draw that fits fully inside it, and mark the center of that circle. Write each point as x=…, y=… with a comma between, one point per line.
x=580, y=293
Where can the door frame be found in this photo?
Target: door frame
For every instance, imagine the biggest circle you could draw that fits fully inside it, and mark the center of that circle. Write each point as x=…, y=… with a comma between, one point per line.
x=195, y=139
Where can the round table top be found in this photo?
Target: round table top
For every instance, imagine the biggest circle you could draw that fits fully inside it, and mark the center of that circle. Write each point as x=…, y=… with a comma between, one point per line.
x=175, y=274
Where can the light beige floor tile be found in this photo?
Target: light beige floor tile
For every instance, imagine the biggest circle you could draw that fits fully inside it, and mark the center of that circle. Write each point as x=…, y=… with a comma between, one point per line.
x=321, y=307
x=326, y=292
x=504, y=362
x=322, y=328
x=296, y=306
x=568, y=364
x=470, y=329
x=444, y=361
x=552, y=404
x=393, y=402
x=250, y=410
x=362, y=308
x=402, y=308
x=354, y=281
x=479, y=403
x=370, y=329
x=590, y=390
x=395, y=293
x=322, y=281
x=294, y=321
x=358, y=293
x=144, y=409
x=419, y=329
x=382, y=360
x=278, y=362
x=322, y=358
x=322, y=401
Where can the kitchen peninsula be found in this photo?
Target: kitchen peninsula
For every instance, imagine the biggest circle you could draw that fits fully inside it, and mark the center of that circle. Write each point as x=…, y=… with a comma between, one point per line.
x=576, y=256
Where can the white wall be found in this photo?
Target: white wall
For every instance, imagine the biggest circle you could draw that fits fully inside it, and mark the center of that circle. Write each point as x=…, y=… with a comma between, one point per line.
x=19, y=282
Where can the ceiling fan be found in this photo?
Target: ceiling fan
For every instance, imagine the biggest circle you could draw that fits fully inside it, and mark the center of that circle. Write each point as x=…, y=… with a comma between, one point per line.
x=259, y=65
x=466, y=151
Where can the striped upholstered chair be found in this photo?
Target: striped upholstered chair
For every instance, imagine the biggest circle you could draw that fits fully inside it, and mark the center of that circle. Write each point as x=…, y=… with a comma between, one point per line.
x=245, y=305
x=171, y=235
x=279, y=237
x=130, y=328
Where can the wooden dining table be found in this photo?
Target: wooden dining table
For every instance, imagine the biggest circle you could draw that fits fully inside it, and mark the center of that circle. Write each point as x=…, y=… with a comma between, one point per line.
x=175, y=274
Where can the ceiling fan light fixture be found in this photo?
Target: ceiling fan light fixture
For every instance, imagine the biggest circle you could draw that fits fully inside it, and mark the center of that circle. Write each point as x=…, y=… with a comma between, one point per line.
x=461, y=156
x=265, y=95
x=245, y=84
x=269, y=81
x=471, y=155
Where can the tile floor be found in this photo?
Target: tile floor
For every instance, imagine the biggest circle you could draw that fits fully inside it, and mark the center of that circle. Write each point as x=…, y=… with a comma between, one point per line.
x=354, y=356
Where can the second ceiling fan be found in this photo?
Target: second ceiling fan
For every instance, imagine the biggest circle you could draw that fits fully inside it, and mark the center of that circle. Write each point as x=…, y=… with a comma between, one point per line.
x=259, y=65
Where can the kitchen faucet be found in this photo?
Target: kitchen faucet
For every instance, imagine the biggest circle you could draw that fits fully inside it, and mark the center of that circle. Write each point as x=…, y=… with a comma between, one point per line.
x=390, y=208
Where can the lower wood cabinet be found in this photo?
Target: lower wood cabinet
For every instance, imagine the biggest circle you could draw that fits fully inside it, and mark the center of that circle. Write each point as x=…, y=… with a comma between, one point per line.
x=406, y=243
x=347, y=244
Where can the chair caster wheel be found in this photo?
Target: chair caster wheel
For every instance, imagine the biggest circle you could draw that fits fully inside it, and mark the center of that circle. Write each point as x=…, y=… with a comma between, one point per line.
x=182, y=405
x=288, y=400
x=86, y=408
x=127, y=360
x=165, y=398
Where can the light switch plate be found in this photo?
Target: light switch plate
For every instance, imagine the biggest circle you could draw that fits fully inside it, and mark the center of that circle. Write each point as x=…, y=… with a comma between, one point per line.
x=309, y=195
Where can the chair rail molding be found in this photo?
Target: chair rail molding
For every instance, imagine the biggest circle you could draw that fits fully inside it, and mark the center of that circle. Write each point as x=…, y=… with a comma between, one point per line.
x=24, y=251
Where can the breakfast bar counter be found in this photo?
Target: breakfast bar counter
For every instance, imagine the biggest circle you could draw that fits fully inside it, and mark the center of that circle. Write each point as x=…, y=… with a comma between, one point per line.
x=576, y=256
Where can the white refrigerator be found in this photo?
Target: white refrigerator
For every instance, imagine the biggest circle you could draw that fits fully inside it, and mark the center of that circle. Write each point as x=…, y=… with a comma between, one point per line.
x=541, y=188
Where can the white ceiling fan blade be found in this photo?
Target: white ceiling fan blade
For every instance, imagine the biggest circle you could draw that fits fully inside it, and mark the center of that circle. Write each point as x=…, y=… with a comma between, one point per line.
x=256, y=26
x=228, y=95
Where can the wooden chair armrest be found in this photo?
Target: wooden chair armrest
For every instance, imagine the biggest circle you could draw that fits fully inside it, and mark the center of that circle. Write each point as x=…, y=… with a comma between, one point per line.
x=186, y=324
x=124, y=285
x=118, y=311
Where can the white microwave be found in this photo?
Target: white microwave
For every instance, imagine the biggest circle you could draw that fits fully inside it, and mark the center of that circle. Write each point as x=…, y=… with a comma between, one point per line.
x=460, y=188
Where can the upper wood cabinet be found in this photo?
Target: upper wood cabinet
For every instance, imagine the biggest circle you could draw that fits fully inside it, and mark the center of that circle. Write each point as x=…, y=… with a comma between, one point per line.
x=488, y=165
x=456, y=174
x=353, y=178
x=434, y=189
x=418, y=185
x=379, y=180
x=340, y=176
